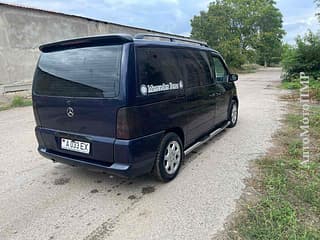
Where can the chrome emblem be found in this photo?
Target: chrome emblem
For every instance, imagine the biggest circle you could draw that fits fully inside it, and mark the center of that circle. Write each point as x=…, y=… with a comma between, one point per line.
x=70, y=112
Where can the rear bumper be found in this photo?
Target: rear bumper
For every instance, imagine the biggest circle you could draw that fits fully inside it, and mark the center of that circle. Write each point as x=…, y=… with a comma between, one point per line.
x=119, y=169
x=130, y=157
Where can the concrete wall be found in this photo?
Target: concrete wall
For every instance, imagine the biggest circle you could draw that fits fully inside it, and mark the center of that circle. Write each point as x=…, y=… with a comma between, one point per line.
x=22, y=30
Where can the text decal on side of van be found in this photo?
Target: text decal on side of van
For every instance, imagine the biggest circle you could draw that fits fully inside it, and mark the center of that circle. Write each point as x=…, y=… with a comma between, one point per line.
x=146, y=89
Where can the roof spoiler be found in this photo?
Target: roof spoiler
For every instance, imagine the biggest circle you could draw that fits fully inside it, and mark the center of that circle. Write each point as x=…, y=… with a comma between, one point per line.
x=87, y=42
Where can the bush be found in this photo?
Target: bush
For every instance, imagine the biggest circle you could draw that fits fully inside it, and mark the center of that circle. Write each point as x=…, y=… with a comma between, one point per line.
x=19, y=101
x=303, y=57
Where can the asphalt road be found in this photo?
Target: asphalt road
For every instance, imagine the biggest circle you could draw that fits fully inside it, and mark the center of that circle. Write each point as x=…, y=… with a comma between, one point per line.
x=43, y=200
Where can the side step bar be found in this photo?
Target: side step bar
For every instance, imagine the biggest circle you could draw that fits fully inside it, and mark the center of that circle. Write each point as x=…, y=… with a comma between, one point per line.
x=211, y=135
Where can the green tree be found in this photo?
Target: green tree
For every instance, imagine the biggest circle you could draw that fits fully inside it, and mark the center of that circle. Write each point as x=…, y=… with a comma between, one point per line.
x=269, y=34
x=242, y=30
x=289, y=60
x=304, y=56
x=214, y=26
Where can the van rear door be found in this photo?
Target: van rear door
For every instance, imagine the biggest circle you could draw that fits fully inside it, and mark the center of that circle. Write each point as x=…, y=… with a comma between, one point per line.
x=76, y=93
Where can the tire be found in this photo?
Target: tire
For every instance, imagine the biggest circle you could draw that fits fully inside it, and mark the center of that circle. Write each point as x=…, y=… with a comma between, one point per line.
x=233, y=114
x=169, y=158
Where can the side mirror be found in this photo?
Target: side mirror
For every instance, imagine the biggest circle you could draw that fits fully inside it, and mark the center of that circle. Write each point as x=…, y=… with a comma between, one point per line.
x=233, y=77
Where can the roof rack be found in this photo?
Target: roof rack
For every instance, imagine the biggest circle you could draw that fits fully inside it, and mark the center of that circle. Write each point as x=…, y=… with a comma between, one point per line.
x=172, y=39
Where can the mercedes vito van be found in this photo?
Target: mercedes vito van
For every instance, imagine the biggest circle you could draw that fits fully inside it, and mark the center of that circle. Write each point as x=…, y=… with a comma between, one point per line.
x=130, y=105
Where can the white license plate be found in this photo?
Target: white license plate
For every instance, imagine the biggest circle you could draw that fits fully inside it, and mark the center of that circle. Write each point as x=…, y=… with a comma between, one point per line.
x=76, y=146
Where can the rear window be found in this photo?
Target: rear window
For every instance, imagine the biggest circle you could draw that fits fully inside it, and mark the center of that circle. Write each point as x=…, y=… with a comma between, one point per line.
x=81, y=72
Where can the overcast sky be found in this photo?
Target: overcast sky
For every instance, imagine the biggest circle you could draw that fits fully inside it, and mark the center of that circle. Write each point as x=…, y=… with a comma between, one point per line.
x=170, y=15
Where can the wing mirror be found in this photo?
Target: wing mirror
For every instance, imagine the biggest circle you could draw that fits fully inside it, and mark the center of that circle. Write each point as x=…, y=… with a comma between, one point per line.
x=233, y=77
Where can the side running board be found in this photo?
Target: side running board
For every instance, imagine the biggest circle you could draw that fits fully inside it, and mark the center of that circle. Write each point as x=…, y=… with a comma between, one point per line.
x=211, y=135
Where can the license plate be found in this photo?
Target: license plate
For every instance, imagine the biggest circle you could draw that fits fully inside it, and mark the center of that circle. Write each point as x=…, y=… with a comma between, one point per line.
x=76, y=146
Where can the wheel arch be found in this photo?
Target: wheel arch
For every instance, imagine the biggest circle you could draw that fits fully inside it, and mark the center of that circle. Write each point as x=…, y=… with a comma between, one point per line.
x=179, y=131
x=236, y=99
x=233, y=98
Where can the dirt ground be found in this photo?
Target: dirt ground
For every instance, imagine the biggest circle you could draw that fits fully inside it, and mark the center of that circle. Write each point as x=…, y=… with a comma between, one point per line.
x=44, y=200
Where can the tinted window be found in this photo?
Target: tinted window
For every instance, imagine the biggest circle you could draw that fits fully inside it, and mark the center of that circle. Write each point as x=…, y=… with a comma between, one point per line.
x=196, y=67
x=158, y=70
x=82, y=72
x=220, y=70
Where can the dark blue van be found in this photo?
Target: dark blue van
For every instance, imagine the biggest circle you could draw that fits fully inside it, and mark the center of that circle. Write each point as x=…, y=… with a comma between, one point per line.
x=130, y=105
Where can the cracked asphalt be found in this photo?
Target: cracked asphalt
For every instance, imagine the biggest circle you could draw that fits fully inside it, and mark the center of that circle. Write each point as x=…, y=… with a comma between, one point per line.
x=44, y=200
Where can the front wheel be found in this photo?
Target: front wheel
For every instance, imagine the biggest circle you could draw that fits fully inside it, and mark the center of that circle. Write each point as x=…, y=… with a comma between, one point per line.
x=169, y=158
x=233, y=114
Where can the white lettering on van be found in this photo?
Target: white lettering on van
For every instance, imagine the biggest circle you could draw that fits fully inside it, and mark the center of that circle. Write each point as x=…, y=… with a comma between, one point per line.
x=146, y=89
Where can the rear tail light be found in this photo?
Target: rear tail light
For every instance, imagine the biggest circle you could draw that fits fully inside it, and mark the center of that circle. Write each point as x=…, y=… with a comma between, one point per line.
x=128, y=126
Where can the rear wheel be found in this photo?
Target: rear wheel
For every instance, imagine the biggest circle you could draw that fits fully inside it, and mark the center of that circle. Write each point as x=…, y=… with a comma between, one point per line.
x=169, y=158
x=233, y=114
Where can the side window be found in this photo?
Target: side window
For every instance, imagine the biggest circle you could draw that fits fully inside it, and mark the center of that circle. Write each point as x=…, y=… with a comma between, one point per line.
x=195, y=67
x=220, y=70
x=158, y=70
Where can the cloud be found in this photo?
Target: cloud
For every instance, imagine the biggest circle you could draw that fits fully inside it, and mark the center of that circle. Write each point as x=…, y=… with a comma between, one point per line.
x=299, y=17
x=171, y=15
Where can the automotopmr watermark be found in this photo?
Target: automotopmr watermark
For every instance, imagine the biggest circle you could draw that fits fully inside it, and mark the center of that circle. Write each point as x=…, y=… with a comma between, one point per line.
x=305, y=123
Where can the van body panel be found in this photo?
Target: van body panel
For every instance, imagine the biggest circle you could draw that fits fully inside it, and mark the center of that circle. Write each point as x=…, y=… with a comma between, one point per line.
x=223, y=101
x=138, y=151
x=156, y=117
x=91, y=116
x=94, y=121
x=200, y=111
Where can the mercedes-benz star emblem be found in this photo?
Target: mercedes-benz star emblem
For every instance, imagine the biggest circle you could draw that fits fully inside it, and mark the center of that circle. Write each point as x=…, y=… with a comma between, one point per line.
x=70, y=112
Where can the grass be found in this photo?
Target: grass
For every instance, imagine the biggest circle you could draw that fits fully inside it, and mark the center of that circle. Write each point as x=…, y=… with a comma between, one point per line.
x=288, y=192
x=294, y=84
x=17, y=101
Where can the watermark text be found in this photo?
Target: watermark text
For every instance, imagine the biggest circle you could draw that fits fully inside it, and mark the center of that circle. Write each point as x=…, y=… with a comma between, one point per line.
x=305, y=123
